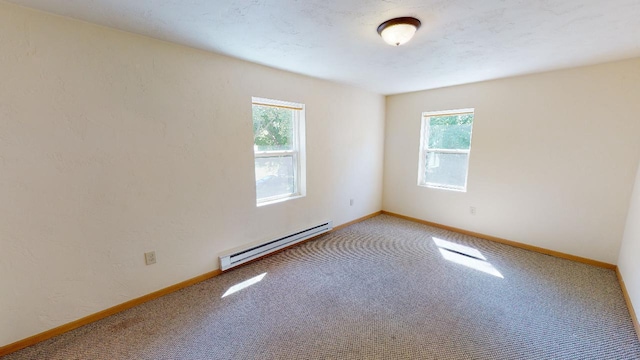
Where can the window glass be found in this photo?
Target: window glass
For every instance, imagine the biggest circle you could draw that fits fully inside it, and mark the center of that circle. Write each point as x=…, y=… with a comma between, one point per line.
x=275, y=176
x=446, y=169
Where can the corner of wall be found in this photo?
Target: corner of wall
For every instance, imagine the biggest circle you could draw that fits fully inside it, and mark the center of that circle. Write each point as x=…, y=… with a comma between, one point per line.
x=628, y=265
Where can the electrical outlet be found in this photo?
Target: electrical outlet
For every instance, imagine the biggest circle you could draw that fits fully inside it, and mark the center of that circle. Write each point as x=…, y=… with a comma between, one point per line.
x=472, y=210
x=350, y=202
x=150, y=257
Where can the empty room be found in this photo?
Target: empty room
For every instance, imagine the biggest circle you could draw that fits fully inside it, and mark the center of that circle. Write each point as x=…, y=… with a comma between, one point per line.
x=365, y=179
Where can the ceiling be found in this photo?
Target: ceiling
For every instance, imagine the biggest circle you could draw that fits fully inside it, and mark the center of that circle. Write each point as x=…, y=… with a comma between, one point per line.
x=460, y=41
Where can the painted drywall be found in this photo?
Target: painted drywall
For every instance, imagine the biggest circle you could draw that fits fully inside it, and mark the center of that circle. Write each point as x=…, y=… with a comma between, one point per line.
x=552, y=164
x=113, y=144
x=628, y=261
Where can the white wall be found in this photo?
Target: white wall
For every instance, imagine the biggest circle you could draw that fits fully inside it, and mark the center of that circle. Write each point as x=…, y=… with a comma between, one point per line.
x=629, y=260
x=553, y=158
x=113, y=144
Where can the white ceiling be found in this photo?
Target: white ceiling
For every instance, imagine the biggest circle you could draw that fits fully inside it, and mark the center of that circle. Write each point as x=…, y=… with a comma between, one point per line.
x=461, y=41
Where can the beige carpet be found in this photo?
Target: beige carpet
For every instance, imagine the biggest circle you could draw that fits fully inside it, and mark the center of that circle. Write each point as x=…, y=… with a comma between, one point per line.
x=380, y=289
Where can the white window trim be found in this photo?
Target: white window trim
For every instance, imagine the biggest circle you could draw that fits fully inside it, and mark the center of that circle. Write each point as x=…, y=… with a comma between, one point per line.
x=424, y=149
x=298, y=152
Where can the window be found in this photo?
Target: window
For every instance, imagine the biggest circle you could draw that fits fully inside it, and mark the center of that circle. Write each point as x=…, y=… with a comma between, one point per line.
x=278, y=144
x=445, y=144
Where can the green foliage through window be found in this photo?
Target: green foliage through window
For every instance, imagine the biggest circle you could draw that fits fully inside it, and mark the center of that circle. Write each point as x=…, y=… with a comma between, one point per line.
x=450, y=132
x=272, y=128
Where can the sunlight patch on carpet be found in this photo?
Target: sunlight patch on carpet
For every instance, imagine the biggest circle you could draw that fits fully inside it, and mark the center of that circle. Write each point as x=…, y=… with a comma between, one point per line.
x=466, y=256
x=461, y=249
x=245, y=284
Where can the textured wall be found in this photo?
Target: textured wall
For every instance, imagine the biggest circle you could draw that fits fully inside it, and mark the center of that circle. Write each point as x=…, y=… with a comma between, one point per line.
x=629, y=260
x=113, y=144
x=553, y=158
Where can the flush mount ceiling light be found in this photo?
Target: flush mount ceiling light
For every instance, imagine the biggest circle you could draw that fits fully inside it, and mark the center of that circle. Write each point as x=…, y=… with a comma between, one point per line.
x=399, y=30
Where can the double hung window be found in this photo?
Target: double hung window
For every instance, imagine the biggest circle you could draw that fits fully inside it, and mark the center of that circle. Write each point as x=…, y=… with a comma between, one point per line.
x=278, y=138
x=444, y=149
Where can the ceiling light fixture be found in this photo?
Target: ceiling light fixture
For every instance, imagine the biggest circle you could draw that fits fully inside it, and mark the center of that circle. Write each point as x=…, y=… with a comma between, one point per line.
x=399, y=30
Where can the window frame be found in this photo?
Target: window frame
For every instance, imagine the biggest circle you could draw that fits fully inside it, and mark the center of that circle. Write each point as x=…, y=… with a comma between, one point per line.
x=297, y=153
x=425, y=128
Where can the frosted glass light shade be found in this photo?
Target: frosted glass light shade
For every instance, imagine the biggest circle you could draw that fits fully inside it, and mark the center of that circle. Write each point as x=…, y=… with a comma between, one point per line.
x=398, y=31
x=398, y=34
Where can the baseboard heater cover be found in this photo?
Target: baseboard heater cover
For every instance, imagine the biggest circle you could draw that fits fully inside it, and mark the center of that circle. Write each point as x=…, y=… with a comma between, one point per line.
x=242, y=256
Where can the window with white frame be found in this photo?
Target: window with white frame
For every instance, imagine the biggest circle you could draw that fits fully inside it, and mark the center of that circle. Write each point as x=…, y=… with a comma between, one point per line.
x=278, y=144
x=445, y=145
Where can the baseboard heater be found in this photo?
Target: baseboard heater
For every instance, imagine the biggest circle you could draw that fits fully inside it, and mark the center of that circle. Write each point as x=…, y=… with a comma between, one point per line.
x=242, y=256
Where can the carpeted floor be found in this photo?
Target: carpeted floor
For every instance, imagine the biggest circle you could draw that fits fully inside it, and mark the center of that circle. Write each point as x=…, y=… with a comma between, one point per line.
x=379, y=289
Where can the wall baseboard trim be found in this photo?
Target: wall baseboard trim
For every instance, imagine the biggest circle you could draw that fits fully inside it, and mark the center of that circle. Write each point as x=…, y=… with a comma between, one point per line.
x=508, y=242
x=32, y=340
x=357, y=220
x=632, y=312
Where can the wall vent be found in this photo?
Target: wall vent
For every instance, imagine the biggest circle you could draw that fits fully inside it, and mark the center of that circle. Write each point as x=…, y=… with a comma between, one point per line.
x=242, y=256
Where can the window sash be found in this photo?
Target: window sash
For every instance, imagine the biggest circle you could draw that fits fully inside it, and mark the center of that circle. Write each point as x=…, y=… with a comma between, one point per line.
x=278, y=153
x=431, y=114
x=448, y=151
x=277, y=104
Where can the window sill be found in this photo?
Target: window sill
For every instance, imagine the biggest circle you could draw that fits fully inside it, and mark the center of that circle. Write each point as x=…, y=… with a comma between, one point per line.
x=279, y=200
x=439, y=187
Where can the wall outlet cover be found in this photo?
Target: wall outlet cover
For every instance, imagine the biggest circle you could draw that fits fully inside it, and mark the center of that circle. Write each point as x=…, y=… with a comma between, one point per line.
x=150, y=257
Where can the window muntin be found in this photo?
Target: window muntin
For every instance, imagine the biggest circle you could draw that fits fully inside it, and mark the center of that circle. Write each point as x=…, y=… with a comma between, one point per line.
x=444, y=149
x=278, y=138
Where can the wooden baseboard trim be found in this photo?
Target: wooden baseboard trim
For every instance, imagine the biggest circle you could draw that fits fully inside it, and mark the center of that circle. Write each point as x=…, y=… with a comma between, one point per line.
x=357, y=220
x=32, y=340
x=507, y=242
x=627, y=299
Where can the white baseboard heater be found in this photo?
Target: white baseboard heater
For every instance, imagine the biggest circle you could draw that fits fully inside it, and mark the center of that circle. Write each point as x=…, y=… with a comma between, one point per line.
x=242, y=256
